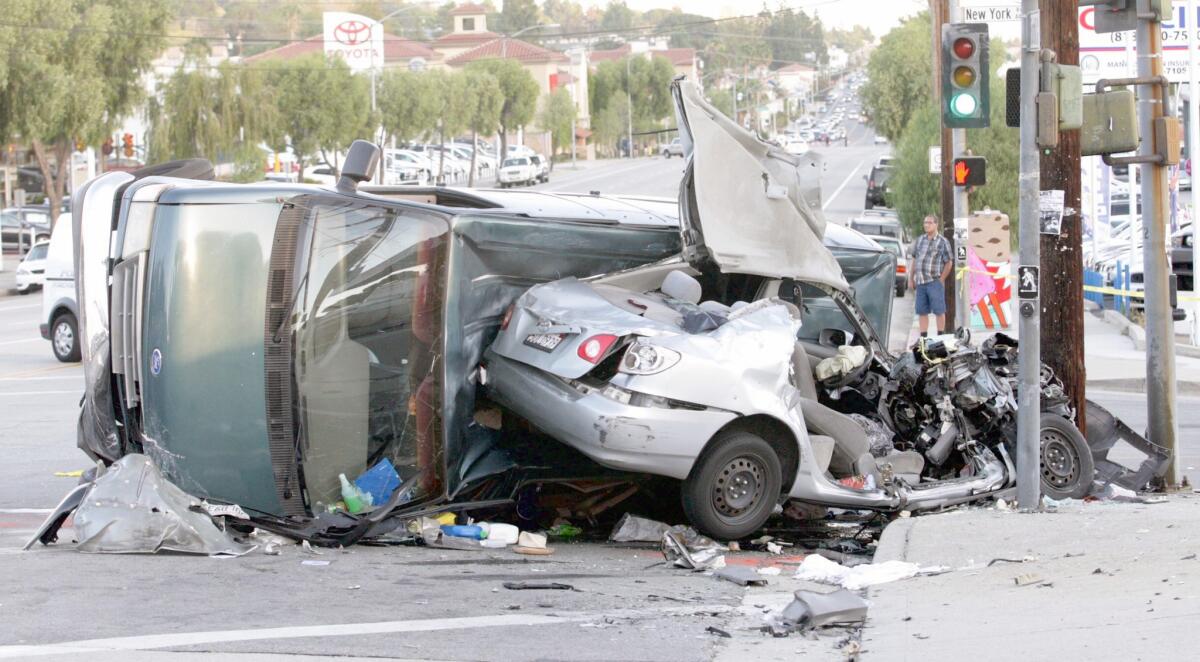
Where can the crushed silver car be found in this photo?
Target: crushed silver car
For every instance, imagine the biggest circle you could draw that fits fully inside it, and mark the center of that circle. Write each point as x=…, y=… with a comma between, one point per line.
x=710, y=371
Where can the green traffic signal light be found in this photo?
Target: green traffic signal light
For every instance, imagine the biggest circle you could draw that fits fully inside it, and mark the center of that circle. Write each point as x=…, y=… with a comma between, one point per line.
x=963, y=104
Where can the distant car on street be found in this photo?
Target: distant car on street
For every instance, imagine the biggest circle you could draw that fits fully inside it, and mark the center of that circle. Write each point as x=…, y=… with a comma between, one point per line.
x=875, y=224
x=31, y=272
x=24, y=226
x=60, y=312
x=517, y=170
x=542, y=165
x=880, y=140
x=877, y=187
x=673, y=148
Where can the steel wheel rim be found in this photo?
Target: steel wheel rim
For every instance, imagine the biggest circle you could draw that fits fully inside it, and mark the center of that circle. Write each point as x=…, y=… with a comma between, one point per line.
x=1060, y=462
x=739, y=486
x=64, y=338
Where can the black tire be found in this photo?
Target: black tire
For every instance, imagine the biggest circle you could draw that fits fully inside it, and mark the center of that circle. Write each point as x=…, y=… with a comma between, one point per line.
x=64, y=338
x=1067, y=468
x=734, y=486
x=869, y=204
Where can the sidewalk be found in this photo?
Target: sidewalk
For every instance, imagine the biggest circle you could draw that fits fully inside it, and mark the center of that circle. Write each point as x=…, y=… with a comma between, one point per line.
x=1119, y=582
x=1112, y=359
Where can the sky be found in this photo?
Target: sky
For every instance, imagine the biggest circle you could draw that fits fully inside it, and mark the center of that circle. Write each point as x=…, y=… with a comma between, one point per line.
x=878, y=15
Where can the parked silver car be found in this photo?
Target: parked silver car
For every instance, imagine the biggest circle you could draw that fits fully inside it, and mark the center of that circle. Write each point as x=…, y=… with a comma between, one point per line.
x=710, y=371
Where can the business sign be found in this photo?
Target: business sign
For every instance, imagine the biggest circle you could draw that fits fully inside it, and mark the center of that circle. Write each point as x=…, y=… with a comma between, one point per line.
x=1114, y=55
x=358, y=40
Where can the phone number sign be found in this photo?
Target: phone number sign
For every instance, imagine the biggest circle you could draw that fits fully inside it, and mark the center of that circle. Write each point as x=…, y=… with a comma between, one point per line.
x=1114, y=55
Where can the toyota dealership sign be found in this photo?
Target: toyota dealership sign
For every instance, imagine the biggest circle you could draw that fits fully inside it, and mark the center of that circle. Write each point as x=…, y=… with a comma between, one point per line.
x=356, y=39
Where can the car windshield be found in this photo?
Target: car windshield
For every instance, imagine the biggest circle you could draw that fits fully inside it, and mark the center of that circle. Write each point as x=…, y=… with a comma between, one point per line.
x=38, y=252
x=516, y=162
x=876, y=228
x=891, y=244
x=367, y=350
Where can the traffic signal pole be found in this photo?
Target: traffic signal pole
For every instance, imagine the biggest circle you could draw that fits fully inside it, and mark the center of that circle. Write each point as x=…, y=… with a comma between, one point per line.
x=958, y=282
x=1160, y=341
x=940, y=14
x=1030, y=357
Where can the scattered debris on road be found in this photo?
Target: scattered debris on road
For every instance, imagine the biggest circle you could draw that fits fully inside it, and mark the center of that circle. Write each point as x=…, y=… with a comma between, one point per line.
x=811, y=610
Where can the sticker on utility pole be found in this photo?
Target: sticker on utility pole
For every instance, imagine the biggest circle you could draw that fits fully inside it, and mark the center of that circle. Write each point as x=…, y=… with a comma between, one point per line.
x=935, y=160
x=1050, y=211
x=1027, y=282
x=962, y=253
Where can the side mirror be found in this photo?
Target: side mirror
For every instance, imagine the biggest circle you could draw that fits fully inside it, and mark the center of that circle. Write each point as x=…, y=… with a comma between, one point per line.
x=361, y=161
x=788, y=290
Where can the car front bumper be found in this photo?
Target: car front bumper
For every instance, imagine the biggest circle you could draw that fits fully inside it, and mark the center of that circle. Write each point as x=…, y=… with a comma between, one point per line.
x=653, y=440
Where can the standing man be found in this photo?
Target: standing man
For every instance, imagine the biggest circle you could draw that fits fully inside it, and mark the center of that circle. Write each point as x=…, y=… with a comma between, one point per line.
x=931, y=265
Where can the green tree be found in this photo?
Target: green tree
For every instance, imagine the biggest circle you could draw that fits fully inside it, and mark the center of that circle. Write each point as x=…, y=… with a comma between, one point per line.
x=648, y=81
x=722, y=100
x=74, y=76
x=520, y=92
x=558, y=117
x=850, y=40
x=617, y=17
x=567, y=14
x=407, y=104
x=452, y=106
x=609, y=125
x=794, y=36
x=485, y=102
x=899, y=76
x=324, y=106
x=518, y=15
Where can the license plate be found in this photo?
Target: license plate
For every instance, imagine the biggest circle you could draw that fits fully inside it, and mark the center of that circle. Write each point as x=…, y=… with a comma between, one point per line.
x=544, y=341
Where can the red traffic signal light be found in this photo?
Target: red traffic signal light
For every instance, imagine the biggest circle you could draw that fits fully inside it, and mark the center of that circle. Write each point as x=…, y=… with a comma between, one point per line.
x=970, y=171
x=964, y=48
x=127, y=145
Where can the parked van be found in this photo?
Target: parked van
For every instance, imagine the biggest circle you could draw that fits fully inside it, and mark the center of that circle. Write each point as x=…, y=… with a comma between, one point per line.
x=60, y=312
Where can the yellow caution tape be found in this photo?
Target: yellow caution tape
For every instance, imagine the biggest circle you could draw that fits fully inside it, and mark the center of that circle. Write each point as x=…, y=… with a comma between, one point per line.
x=1136, y=294
x=68, y=474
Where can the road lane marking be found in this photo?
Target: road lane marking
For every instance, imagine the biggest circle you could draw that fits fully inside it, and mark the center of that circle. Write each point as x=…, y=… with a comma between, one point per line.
x=25, y=307
x=846, y=181
x=41, y=371
x=40, y=379
x=155, y=641
x=26, y=511
x=23, y=393
x=606, y=171
x=14, y=342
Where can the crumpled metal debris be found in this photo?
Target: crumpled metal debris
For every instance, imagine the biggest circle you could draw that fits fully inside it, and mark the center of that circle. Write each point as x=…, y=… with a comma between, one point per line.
x=878, y=436
x=131, y=508
x=694, y=553
x=740, y=575
x=820, y=569
x=631, y=528
x=810, y=610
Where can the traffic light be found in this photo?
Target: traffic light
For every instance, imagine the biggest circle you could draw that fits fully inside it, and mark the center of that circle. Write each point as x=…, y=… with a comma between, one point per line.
x=107, y=148
x=970, y=171
x=965, y=102
x=127, y=145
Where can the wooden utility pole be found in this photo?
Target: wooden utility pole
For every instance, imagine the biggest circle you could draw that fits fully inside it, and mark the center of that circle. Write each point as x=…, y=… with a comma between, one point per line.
x=1062, y=255
x=939, y=13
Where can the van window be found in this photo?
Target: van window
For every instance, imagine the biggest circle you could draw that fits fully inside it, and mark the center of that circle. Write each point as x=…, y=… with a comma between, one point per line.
x=368, y=350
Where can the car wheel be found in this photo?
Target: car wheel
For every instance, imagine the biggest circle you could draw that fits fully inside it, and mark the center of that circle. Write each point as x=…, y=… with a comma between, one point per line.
x=734, y=486
x=1067, y=465
x=64, y=338
x=869, y=204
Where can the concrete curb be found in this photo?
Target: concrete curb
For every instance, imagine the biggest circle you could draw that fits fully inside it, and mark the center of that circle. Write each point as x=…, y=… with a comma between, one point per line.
x=1138, y=335
x=893, y=542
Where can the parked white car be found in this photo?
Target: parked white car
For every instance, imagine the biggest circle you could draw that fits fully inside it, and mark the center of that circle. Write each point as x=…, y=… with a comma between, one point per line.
x=60, y=313
x=517, y=170
x=31, y=272
x=543, y=167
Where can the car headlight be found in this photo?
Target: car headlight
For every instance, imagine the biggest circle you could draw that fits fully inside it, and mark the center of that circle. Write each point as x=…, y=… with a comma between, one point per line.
x=643, y=359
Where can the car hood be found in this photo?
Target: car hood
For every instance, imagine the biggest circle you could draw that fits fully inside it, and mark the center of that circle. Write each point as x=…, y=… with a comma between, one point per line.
x=744, y=205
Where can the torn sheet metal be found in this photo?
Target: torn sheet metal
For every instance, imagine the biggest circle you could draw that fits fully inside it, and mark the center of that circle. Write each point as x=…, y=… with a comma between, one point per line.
x=740, y=574
x=132, y=509
x=700, y=553
x=1105, y=431
x=813, y=610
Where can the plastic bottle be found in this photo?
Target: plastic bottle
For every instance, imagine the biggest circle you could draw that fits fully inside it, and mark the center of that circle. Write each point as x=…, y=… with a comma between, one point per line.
x=505, y=534
x=350, y=496
x=464, y=531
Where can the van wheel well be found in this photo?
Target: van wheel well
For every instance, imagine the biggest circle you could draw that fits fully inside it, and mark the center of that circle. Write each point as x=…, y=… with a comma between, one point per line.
x=779, y=436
